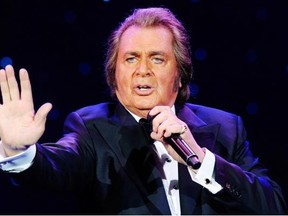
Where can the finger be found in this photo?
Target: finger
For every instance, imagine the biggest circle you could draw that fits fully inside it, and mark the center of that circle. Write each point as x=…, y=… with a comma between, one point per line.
x=175, y=129
x=4, y=86
x=161, y=121
x=12, y=83
x=41, y=114
x=183, y=129
x=158, y=120
x=156, y=110
x=26, y=90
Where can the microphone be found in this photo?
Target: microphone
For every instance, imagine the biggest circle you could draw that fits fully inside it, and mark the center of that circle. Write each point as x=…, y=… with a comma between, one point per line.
x=181, y=147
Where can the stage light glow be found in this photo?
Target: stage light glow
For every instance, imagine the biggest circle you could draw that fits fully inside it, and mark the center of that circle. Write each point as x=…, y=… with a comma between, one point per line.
x=252, y=108
x=262, y=14
x=84, y=68
x=194, y=89
x=5, y=61
x=251, y=56
x=200, y=54
x=54, y=114
x=70, y=16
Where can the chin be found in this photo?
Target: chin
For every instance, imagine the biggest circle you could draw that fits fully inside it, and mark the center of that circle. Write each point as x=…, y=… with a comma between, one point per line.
x=144, y=106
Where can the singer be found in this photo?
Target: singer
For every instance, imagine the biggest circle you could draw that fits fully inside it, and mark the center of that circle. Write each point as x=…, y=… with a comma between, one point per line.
x=104, y=157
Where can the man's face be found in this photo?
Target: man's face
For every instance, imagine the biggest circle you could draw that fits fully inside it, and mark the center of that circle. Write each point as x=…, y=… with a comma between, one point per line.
x=146, y=69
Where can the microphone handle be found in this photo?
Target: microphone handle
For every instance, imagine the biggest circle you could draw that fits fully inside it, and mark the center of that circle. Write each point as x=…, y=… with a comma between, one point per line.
x=184, y=150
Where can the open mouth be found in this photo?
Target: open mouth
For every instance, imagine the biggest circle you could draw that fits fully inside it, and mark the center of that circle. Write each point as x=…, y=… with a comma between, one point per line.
x=143, y=87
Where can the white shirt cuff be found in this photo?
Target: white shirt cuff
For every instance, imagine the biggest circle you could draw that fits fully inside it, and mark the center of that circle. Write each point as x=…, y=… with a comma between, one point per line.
x=205, y=174
x=19, y=162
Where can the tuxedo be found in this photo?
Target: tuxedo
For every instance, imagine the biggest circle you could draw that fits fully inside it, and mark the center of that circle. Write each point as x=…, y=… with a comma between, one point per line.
x=106, y=159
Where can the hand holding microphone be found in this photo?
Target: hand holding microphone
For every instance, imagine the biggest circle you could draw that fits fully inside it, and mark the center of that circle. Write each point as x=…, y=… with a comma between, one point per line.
x=180, y=146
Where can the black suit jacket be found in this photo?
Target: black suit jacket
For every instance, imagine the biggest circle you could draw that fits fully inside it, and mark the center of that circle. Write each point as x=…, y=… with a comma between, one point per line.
x=105, y=158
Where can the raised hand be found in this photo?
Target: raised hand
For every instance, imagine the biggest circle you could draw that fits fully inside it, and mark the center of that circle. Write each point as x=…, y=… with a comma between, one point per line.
x=20, y=126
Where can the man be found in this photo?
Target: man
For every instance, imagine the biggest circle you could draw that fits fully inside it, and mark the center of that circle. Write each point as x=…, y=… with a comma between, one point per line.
x=112, y=162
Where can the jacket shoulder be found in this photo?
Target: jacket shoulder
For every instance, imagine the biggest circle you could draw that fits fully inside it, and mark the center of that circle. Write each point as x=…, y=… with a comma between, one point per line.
x=101, y=110
x=231, y=124
x=206, y=112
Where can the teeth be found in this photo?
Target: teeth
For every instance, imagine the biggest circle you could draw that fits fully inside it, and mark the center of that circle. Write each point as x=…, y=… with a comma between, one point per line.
x=143, y=88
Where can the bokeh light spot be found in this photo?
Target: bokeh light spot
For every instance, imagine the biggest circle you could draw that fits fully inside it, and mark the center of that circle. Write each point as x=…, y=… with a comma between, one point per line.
x=54, y=114
x=195, y=1
x=6, y=61
x=194, y=89
x=84, y=68
x=70, y=16
x=251, y=56
x=200, y=54
x=252, y=108
x=262, y=14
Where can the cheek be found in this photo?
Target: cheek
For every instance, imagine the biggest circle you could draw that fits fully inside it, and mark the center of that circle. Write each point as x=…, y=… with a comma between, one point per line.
x=169, y=83
x=119, y=76
x=122, y=81
x=122, y=74
x=170, y=86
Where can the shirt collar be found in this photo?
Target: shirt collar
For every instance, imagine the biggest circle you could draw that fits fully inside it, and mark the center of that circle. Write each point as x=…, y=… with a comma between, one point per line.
x=137, y=118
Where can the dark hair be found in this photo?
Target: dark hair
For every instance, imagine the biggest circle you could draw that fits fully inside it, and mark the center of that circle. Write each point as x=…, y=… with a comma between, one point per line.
x=155, y=16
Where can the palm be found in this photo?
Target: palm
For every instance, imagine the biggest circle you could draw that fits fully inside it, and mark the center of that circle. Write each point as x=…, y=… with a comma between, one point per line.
x=19, y=125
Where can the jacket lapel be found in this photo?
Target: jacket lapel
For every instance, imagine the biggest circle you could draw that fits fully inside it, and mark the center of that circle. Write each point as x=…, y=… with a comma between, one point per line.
x=205, y=135
x=189, y=192
x=134, y=151
x=135, y=154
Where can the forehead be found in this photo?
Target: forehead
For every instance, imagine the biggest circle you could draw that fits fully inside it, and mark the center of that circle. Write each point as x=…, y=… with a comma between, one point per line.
x=150, y=38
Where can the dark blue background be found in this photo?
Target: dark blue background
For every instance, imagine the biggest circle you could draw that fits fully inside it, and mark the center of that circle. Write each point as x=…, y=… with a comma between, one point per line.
x=240, y=56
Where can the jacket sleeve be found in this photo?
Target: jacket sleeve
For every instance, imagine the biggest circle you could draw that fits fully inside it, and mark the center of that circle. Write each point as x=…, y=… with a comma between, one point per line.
x=244, y=178
x=64, y=164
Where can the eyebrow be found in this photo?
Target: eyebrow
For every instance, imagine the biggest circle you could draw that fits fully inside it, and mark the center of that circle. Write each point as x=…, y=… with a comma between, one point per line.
x=151, y=53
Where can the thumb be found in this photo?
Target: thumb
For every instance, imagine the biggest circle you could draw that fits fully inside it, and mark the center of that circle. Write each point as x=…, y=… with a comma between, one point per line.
x=42, y=113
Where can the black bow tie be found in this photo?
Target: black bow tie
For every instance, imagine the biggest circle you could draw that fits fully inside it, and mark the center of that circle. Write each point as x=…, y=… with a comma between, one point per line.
x=147, y=127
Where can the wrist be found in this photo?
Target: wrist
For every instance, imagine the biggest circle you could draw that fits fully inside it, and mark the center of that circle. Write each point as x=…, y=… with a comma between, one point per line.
x=7, y=150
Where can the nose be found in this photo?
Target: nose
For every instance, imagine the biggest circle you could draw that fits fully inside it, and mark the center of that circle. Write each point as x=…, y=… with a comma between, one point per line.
x=143, y=68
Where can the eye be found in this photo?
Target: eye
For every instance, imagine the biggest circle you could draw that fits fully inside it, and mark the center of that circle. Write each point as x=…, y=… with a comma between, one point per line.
x=157, y=60
x=131, y=59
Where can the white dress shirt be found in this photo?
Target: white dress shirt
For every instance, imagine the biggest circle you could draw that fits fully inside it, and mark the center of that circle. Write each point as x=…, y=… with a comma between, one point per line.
x=169, y=166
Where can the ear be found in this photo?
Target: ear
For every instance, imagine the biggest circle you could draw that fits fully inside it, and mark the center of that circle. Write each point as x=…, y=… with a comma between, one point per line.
x=180, y=83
